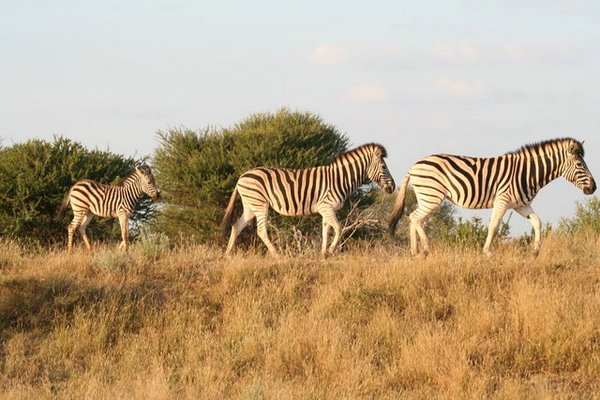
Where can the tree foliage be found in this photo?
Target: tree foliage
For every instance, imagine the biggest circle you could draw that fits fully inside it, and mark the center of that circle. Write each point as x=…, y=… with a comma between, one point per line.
x=198, y=170
x=34, y=177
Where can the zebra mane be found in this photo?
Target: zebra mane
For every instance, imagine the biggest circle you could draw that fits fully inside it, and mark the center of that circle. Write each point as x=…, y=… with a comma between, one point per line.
x=359, y=148
x=132, y=173
x=545, y=143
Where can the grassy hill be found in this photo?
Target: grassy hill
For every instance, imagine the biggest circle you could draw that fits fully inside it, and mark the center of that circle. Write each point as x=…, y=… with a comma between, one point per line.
x=369, y=323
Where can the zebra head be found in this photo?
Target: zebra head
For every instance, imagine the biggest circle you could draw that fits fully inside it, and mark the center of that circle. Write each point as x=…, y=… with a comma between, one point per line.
x=377, y=170
x=575, y=170
x=146, y=180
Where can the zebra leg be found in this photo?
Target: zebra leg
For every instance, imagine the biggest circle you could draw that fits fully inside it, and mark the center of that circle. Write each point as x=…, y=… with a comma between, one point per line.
x=239, y=226
x=73, y=226
x=262, y=218
x=417, y=218
x=124, y=222
x=325, y=238
x=337, y=232
x=497, y=214
x=528, y=213
x=83, y=226
x=330, y=220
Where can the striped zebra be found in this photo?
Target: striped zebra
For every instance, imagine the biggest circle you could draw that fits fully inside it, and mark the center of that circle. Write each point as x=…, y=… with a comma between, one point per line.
x=321, y=189
x=510, y=181
x=88, y=198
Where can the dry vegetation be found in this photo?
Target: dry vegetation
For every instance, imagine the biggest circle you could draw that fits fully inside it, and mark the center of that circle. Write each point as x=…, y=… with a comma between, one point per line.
x=368, y=323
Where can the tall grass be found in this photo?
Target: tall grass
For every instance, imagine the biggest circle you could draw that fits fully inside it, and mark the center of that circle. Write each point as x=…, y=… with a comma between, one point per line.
x=371, y=322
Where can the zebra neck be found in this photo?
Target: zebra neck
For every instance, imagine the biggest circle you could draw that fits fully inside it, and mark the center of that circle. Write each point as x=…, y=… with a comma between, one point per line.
x=132, y=192
x=538, y=170
x=348, y=176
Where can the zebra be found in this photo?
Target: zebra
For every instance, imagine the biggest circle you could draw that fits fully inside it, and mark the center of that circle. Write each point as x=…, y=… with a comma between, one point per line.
x=88, y=198
x=510, y=181
x=295, y=192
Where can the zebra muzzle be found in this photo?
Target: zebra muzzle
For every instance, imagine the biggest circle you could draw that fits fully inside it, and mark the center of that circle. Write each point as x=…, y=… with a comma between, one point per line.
x=590, y=189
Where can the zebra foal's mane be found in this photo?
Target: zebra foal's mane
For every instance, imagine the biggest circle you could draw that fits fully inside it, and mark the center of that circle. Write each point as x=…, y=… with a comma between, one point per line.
x=143, y=168
x=374, y=145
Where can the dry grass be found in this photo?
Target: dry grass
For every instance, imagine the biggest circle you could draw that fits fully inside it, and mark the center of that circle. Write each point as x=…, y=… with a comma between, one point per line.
x=371, y=323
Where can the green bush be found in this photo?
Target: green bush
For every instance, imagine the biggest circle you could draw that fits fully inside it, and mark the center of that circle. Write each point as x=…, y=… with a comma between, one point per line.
x=587, y=217
x=198, y=170
x=34, y=177
x=153, y=246
x=469, y=233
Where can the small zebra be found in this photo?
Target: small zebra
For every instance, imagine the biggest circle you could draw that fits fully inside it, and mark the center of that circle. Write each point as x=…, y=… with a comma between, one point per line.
x=510, y=181
x=88, y=198
x=321, y=189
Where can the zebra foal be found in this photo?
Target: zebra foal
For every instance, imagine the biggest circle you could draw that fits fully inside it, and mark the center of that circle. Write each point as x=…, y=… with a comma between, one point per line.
x=510, y=181
x=88, y=198
x=294, y=192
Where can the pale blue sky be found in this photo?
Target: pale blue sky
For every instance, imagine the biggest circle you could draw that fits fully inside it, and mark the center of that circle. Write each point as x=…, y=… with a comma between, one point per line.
x=466, y=77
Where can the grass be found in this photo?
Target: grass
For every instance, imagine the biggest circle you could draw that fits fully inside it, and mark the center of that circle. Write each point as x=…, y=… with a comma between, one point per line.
x=371, y=322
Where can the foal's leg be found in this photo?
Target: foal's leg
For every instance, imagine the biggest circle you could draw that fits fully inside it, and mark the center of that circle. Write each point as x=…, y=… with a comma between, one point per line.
x=83, y=226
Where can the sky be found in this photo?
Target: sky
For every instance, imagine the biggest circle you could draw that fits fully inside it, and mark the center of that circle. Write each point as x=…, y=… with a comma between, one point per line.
x=470, y=77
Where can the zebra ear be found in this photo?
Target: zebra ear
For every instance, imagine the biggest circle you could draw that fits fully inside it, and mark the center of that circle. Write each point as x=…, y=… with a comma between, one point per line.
x=144, y=169
x=573, y=148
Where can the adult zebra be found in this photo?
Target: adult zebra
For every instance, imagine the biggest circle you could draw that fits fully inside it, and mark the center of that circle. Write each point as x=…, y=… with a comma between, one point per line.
x=88, y=198
x=510, y=181
x=321, y=189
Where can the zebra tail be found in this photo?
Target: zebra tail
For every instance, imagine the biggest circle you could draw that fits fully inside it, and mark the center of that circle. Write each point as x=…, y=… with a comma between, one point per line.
x=229, y=212
x=65, y=204
x=398, y=206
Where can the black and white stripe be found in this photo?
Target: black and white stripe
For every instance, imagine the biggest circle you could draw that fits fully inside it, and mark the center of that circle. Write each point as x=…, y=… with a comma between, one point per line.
x=510, y=181
x=320, y=190
x=88, y=198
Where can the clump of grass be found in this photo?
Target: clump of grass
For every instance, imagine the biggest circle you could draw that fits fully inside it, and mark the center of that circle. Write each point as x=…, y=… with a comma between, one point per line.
x=153, y=246
x=111, y=260
x=10, y=254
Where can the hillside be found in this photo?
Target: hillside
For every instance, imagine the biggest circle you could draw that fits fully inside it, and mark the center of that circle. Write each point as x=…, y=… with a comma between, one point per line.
x=368, y=323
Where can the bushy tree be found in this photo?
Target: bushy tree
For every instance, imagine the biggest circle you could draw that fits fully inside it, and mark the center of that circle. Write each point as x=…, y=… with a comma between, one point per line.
x=587, y=218
x=198, y=170
x=34, y=177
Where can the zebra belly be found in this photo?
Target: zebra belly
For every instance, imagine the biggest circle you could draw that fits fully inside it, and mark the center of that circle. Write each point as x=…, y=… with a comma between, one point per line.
x=489, y=204
x=466, y=204
x=291, y=213
x=102, y=213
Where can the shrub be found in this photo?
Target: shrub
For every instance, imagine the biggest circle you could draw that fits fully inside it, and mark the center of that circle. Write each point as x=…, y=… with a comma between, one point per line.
x=470, y=233
x=153, y=245
x=110, y=261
